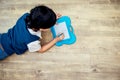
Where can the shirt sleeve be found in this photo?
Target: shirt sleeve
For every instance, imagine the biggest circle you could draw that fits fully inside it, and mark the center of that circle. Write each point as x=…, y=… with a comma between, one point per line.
x=34, y=46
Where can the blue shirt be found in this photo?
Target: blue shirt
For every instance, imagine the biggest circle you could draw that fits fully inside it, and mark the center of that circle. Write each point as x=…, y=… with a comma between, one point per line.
x=17, y=38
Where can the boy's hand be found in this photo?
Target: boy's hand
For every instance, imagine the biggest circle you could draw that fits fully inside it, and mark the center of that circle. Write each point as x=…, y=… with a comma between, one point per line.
x=58, y=15
x=60, y=37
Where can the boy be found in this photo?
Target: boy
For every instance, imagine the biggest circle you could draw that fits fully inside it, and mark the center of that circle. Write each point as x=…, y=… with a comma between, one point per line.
x=26, y=33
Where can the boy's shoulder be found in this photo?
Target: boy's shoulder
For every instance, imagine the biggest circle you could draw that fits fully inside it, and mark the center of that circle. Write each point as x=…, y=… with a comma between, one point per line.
x=24, y=15
x=22, y=18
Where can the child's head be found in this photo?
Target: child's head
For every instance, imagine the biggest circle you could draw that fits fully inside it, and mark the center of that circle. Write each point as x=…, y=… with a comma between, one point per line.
x=41, y=17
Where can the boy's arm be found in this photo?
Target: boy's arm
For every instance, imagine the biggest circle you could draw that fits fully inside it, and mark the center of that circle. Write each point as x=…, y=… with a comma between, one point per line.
x=50, y=44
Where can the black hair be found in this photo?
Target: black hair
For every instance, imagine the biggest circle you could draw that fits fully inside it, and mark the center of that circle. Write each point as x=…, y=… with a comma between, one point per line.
x=41, y=17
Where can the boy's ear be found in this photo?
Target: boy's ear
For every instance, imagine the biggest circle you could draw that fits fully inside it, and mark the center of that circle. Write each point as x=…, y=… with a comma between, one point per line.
x=34, y=29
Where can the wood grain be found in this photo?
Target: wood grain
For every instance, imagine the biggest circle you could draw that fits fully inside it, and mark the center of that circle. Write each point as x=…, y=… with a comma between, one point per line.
x=94, y=56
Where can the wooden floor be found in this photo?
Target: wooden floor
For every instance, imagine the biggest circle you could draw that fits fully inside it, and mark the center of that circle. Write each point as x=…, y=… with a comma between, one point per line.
x=94, y=56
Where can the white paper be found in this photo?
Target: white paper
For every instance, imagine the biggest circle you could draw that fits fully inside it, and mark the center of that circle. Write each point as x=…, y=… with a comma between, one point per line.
x=62, y=28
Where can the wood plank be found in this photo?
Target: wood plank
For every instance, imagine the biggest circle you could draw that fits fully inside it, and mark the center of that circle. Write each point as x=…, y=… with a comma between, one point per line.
x=94, y=56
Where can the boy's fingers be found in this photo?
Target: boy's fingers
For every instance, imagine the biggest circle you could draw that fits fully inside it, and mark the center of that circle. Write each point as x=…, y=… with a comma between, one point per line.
x=62, y=36
x=58, y=15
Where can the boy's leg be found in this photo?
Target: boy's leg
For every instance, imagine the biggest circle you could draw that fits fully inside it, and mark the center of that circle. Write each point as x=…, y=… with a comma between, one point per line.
x=3, y=54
